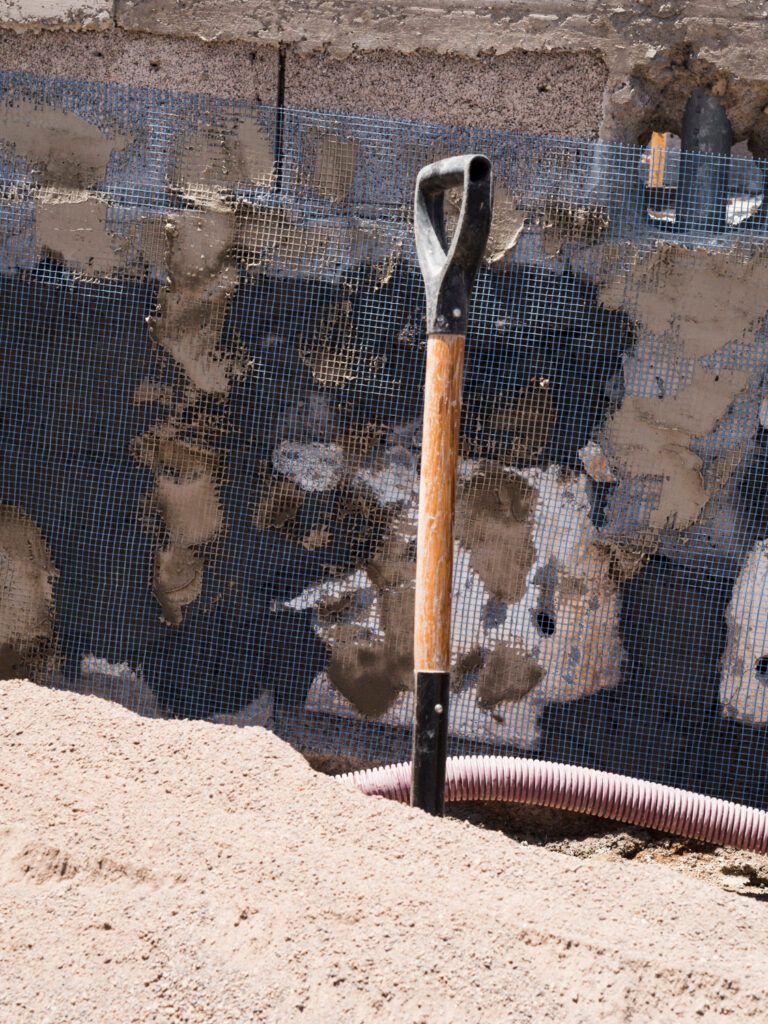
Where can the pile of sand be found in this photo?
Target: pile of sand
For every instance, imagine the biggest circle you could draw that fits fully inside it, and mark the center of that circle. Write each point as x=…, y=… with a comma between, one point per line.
x=162, y=871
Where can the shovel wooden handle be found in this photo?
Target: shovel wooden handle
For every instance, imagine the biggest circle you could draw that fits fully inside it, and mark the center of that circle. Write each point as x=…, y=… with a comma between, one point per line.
x=437, y=494
x=448, y=269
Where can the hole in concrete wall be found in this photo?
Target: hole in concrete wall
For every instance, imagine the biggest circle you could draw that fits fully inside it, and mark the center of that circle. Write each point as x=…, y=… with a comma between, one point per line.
x=660, y=169
x=761, y=666
x=653, y=96
x=649, y=108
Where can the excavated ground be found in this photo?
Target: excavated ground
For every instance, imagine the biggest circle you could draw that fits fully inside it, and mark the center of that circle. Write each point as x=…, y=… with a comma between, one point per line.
x=170, y=871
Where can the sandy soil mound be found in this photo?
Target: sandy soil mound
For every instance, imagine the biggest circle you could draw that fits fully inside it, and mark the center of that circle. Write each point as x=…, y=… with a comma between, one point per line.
x=187, y=872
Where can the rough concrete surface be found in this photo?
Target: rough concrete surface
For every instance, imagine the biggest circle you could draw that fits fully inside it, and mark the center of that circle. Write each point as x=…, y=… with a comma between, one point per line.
x=549, y=93
x=238, y=70
x=448, y=27
x=646, y=45
x=625, y=67
x=72, y=14
x=176, y=871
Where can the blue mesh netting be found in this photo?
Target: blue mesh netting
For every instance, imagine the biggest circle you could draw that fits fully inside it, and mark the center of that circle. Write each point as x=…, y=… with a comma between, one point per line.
x=212, y=355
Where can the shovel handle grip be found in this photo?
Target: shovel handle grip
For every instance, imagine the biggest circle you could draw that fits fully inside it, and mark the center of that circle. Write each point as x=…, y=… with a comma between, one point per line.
x=449, y=268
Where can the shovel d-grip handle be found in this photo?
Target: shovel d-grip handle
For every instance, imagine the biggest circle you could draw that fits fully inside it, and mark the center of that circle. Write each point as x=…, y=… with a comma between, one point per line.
x=449, y=271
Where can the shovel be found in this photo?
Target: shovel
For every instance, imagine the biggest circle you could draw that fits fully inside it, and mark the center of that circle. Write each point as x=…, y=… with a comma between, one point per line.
x=448, y=269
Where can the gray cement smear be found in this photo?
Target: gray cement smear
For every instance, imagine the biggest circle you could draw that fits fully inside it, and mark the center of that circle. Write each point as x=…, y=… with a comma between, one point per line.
x=697, y=312
x=493, y=521
x=188, y=504
x=651, y=437
x=191, y=508
x=72, y=226
x=331, y=170
x=507, y=221
x=708, y=301
x=200, y=264
x=27, y=576
x=372, y=675
x=177, y=581
x=211, y=160
x=276, y=238
x=61, y=148
x=506, y=668
x=190, y=313
x=507, y=676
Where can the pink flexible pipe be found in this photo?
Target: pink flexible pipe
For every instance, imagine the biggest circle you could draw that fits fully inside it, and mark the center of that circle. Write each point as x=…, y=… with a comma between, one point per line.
x=572, y=788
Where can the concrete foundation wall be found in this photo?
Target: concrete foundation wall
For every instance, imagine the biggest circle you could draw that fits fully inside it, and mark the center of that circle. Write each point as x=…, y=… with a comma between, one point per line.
x=238, y=70
x=567, y=67
x=551, y=93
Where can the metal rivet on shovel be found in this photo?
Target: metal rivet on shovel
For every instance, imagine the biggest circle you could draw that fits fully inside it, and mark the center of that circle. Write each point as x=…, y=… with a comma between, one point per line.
x=449, y=270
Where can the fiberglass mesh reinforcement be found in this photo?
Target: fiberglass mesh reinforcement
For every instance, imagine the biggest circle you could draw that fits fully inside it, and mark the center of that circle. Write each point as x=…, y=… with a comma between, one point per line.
x=212, y=358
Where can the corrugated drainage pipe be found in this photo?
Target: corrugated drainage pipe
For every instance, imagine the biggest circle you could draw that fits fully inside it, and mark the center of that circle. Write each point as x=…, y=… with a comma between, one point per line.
x=572, y=788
